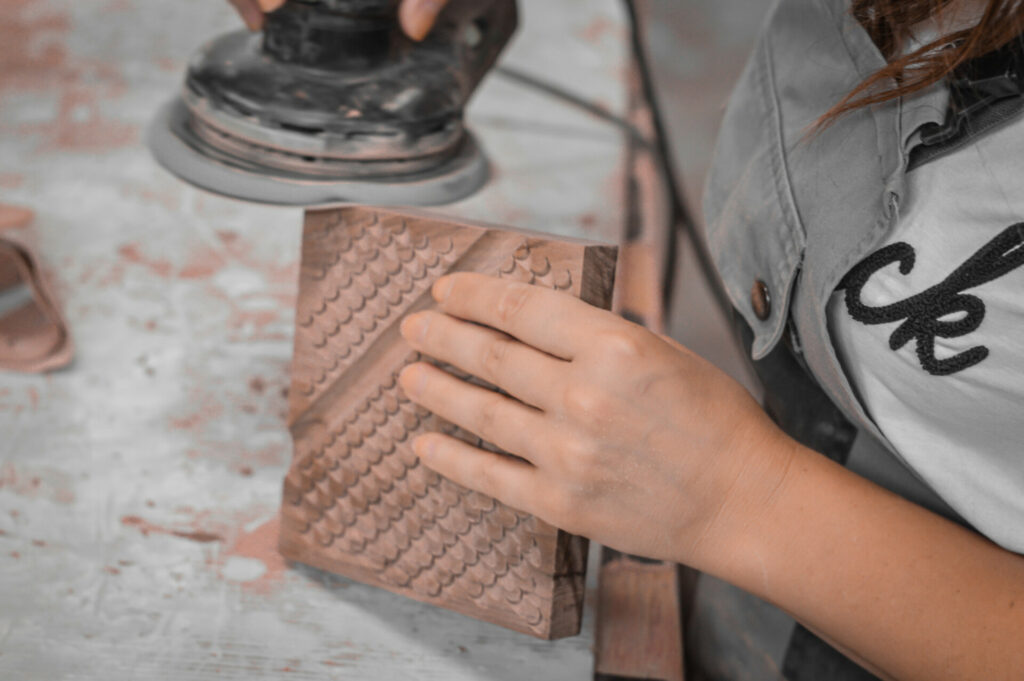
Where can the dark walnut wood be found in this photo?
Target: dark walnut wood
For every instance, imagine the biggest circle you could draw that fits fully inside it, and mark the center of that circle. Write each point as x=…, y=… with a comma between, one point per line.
x=639, y=628
x=356, y=500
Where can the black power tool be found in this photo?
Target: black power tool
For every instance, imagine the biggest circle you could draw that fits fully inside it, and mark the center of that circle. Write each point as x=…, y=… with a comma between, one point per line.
x=333, y=103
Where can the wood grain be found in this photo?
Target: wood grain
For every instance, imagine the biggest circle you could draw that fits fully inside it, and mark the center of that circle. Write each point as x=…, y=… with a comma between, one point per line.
x=356, y=500
x=639, y=629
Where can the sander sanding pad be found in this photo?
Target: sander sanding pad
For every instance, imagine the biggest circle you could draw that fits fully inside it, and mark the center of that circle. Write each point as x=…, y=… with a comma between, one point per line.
x=187, y=156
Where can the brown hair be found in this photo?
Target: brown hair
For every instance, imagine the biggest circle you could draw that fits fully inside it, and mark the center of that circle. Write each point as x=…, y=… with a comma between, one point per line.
x=889, y=24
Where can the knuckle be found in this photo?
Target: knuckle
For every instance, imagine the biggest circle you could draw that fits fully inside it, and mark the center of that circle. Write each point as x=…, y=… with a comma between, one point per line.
x=586, y=401
x=488, y=417
x=494, y=357
x=486, y=478
x=512, y=302
x=576, y=399
x=622, y=345
x=578, y=456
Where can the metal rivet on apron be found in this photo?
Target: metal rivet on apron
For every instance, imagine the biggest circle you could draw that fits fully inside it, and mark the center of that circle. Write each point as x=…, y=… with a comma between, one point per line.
x=761, y=300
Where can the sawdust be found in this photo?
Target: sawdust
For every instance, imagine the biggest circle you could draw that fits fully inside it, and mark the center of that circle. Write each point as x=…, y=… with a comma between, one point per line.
x=261, y=544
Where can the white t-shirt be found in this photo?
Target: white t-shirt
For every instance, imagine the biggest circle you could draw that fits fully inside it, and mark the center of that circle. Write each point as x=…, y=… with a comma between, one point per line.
x=930, y=331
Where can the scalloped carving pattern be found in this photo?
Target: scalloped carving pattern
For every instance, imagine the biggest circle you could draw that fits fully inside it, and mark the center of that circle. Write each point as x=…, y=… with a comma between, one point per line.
x=357, y=279
x=534, y=268
x=359, y=490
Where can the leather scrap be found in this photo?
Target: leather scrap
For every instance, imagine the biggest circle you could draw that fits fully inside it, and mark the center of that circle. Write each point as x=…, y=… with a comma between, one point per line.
x=34, y=337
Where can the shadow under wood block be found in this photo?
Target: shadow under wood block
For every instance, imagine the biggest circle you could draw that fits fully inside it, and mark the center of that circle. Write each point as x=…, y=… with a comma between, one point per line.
x=356, y=501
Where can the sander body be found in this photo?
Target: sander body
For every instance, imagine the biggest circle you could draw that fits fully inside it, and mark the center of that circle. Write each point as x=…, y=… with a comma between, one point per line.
x=332, y=103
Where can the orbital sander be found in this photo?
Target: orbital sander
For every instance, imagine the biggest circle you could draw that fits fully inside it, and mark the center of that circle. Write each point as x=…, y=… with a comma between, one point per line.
x=333, y=103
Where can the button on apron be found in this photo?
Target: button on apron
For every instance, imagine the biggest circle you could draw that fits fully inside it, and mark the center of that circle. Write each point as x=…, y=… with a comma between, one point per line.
x=761, y=300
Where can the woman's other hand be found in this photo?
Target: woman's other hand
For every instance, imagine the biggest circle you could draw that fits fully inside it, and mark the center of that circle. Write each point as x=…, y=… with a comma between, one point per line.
x=252, y=11
x=626, y=437
x=417, y=17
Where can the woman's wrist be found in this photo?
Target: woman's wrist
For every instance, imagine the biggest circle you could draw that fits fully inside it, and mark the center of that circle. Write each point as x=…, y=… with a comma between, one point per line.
x=788, y=506
x=739, y=536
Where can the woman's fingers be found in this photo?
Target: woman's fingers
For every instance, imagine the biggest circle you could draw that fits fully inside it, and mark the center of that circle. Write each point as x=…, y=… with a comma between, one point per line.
x=508, y=480
x=523, y=372
x=250, y=12
x=553, y=322
x=417, y=17
x=498, y=419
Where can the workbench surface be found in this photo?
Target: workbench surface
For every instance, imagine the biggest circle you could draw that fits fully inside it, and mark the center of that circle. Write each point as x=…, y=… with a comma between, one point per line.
x=139, y=488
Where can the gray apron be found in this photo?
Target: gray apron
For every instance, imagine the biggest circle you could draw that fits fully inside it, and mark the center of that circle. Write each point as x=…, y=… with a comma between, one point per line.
x=788, y=214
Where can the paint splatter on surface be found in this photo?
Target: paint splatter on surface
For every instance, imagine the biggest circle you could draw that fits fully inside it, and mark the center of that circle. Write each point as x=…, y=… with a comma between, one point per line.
x=81, y=125
x=35, y=60
x=147, y=528
x=260, y=544
x=602, y=28
x=37, y=483
x=33, y=51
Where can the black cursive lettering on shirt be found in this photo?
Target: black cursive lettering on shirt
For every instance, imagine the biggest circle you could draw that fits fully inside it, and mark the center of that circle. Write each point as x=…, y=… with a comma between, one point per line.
x=923, y=313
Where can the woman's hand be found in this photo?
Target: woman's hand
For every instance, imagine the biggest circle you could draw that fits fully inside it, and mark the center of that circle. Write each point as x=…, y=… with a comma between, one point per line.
x=416, y=16
x=625, y=437
x=252, y=11
x=634, y=441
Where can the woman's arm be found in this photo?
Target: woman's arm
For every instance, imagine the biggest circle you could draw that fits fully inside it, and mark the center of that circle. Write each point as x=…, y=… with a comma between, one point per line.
x=634, y=441
x=907, y=593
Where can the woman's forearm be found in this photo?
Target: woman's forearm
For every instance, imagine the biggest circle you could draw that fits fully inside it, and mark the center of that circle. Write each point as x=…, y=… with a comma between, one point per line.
x=911, y=594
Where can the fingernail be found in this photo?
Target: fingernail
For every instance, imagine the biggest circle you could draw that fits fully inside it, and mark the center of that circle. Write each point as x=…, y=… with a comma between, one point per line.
x=412, y=379
x=442, y=288
x=414, y=327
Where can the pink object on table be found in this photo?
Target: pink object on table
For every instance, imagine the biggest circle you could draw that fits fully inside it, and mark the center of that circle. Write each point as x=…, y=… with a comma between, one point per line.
x=33, y=335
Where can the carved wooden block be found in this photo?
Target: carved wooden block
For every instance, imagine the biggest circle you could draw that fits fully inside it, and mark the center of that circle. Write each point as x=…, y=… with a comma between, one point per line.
x=356, y=500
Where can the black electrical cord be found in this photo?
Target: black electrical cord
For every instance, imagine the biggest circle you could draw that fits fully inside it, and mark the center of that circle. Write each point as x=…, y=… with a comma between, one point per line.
x=682, y=219
x=545, y=87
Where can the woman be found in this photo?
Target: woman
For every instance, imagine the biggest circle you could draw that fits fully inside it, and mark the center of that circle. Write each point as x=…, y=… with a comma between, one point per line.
x=864, y=211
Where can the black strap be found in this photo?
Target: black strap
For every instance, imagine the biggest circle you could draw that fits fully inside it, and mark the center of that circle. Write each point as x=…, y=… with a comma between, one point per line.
x=808, y=658
x=795, y=400
x=985, y=93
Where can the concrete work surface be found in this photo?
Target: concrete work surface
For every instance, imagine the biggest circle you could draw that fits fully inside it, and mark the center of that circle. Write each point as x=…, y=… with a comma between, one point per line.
x=139, y=488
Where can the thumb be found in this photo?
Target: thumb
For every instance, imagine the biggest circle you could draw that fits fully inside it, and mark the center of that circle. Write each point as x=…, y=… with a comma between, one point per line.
x=418, y=16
